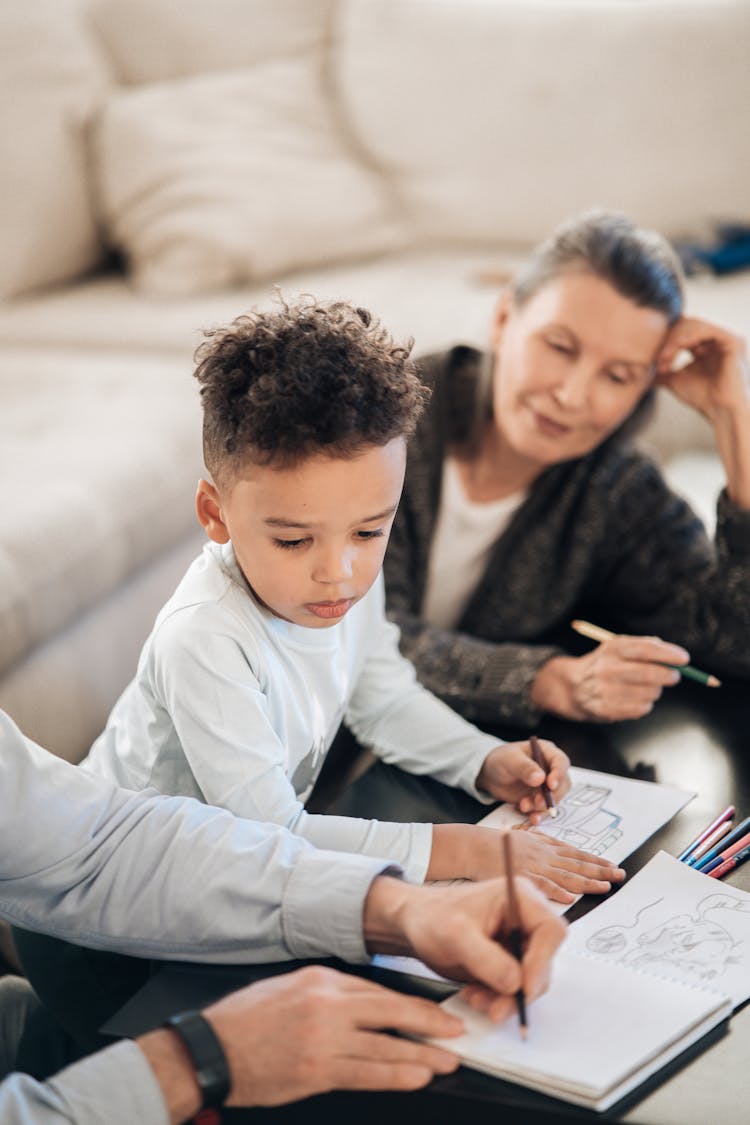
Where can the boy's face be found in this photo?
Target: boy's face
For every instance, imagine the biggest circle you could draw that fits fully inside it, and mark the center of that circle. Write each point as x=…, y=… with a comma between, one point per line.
x=310, y=539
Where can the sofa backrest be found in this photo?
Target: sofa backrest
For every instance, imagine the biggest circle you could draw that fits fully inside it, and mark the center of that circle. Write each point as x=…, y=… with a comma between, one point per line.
x=227, y=143
x=496, y=119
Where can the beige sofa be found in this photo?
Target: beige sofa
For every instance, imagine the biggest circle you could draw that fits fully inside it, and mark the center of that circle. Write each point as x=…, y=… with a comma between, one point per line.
x=164, y=163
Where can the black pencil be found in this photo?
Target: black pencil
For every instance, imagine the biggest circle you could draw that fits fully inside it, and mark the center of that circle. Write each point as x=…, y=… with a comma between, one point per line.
x=541, y=761
x=514, y=929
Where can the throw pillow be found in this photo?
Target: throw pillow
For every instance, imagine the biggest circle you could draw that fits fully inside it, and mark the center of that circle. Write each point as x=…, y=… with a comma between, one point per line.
x=216, y=180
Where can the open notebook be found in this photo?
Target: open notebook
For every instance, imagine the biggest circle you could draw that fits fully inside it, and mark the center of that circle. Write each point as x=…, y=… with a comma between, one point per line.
x=639, y=980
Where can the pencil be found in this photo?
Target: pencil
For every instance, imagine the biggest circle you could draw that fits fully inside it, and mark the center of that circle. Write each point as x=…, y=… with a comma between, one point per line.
x=715, y=852
x=709, y=842
x=729, y=852
x=731, y=863
x=727, y=814
x=514, y=929
x=596, y=633
x=541, y=761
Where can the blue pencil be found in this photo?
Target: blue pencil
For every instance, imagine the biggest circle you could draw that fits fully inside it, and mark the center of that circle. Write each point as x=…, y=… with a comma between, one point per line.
x=727, y=842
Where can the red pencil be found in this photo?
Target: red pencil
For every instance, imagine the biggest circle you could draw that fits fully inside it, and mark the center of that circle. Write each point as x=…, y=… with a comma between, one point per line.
x=730, y=864
x=731, y=851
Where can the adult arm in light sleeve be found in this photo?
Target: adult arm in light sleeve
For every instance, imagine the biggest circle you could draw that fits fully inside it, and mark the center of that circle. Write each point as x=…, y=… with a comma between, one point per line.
x=117, y=1082
x=164, y=877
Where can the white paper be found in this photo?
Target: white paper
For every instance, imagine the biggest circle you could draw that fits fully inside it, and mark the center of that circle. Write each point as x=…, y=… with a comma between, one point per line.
x=672, y=920
x=603, y=813
x=598, y=1032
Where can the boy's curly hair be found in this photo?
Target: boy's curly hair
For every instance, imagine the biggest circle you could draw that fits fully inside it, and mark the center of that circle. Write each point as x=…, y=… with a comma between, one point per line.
x=305, y=378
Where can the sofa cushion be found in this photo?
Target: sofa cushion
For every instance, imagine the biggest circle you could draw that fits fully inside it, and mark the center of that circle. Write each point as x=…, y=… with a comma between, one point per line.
x=104, y=454
x=150, y=40
x=216, y=180
x=497, y=120
x=436, y=296
x=52, y=76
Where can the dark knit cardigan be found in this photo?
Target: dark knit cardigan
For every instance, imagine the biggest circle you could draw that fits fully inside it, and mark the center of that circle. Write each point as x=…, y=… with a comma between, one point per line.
x=601, y=537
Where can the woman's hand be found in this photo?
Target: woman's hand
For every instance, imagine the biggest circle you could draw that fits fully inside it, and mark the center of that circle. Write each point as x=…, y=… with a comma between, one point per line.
x=510, y=773
x=471, y=851
x=717, y=377
x=620, y=679
x=716, y=382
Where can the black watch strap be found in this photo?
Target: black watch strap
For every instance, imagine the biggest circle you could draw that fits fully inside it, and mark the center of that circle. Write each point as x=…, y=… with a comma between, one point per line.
x=207, y=1055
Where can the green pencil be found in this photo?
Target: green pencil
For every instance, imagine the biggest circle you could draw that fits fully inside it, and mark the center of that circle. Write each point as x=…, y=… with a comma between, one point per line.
x=596, y=633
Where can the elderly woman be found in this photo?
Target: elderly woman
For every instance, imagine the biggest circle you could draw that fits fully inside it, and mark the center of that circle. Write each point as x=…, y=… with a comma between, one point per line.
x=525, y=506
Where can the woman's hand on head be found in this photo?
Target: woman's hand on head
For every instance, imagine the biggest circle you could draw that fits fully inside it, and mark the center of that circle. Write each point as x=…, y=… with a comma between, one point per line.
x=715, y=379
x=620, y=679
x=716, y=382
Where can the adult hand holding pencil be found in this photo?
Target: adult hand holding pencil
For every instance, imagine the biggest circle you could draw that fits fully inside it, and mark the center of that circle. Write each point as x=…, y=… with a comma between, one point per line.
x=676, y=661
x=622, y=678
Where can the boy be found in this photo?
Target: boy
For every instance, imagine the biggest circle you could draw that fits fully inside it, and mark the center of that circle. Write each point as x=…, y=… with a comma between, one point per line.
x=277, y=631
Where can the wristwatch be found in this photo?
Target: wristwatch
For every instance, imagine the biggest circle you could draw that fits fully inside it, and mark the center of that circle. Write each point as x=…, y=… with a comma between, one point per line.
x=206, y=1054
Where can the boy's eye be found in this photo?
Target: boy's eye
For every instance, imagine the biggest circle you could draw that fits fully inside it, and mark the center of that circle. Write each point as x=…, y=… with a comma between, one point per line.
x=560, y=346
x=376, y=534
x=288, y=544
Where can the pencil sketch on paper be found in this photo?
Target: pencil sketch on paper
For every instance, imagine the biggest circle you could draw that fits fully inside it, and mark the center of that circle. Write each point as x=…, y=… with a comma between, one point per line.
x=701, y=943
x=583, y=821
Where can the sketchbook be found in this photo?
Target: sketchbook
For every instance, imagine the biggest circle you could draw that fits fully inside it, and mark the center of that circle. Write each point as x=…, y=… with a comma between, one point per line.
x=601, y=813
x=639, y=979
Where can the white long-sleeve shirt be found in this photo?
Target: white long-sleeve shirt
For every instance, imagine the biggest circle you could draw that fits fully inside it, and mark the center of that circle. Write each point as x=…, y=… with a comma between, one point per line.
x=237, y=707
x=154, y=876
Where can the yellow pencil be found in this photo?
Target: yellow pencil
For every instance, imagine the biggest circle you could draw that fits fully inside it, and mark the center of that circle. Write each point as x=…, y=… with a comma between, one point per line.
x=596, y=633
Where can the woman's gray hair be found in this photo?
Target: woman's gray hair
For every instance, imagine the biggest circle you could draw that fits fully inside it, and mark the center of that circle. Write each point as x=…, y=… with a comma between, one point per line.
x=639, y=264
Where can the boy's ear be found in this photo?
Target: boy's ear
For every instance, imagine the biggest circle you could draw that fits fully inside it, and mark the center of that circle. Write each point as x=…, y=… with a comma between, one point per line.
x=500, y=318
x=208, y=510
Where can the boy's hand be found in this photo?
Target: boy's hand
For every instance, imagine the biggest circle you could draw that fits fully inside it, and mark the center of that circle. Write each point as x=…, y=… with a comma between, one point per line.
x=510, y=773
x=561, y=872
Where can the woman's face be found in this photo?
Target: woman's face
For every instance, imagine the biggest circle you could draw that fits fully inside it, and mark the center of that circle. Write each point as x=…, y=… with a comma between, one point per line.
x=570, y=365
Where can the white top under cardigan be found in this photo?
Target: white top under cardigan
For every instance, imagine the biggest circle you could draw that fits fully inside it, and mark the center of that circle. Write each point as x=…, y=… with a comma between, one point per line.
x=237, y=707
x=465, y=534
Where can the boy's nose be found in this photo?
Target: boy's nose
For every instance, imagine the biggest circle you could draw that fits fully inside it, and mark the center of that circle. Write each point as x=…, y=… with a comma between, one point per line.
x=333, y=566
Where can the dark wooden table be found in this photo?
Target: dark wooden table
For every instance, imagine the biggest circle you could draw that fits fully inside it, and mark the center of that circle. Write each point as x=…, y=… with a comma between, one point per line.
x=696, y=738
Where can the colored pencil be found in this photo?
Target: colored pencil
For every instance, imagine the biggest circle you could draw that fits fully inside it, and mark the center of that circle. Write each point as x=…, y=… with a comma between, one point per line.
x=541, y=761
x=726, y=815
x=730, y=864
x=514, y=929
x=714, y=838
x=596, y=633
x=728, y=853
x=735, y=835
